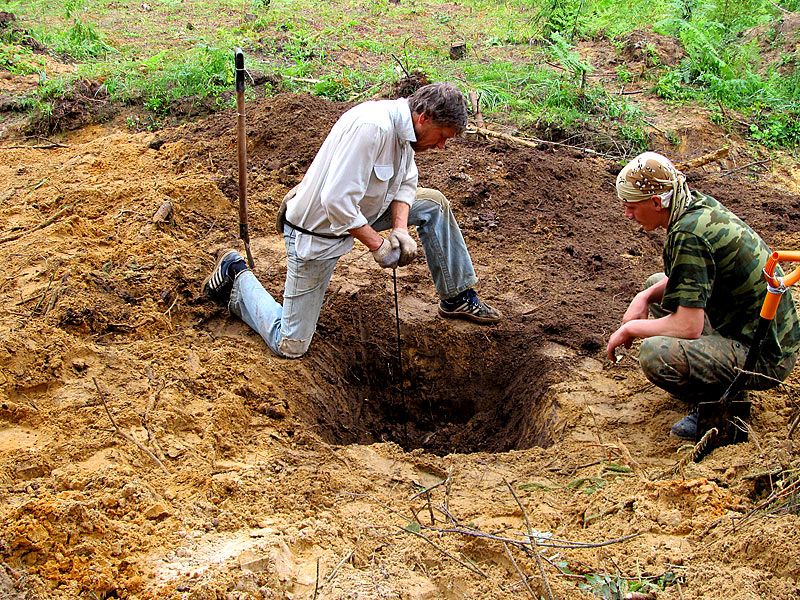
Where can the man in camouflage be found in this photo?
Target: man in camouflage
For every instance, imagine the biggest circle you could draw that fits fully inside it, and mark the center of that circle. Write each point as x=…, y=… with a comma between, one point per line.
x=705, y=305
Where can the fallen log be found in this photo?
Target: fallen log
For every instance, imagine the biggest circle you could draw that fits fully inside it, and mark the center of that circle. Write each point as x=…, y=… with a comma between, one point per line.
x=703, y=160
x=533, y=142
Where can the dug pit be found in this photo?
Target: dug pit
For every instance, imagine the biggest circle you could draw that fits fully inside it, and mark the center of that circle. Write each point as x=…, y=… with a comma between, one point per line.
x=465, y=388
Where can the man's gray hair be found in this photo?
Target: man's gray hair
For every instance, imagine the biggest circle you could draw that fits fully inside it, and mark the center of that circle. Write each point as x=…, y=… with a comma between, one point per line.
x=443, y=103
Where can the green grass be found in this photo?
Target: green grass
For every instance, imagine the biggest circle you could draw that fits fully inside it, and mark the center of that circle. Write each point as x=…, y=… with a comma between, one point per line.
x=522, y=55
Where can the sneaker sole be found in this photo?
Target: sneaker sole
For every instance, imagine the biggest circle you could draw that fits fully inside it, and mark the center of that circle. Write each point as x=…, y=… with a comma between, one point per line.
x=686, y=438
x=469, y=317
x=214, y=270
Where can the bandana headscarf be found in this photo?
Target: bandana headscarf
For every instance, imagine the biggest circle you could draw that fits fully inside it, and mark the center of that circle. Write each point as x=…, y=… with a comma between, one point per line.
x=651, y=174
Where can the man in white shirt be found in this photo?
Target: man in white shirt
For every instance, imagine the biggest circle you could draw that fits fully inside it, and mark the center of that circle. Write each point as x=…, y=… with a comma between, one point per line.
x=362, y=180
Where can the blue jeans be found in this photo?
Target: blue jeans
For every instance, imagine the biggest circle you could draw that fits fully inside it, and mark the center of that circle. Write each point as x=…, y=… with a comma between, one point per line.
x=288, y=329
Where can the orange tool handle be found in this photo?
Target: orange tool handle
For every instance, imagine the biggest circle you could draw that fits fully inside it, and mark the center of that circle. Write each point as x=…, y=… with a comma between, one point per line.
x=779, y=285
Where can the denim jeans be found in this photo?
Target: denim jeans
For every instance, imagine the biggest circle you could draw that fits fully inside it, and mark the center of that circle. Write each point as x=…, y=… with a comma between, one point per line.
x=288, y=329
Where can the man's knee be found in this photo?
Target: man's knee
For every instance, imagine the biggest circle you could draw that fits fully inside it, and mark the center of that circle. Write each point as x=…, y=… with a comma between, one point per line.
x=653, y=279
x=289, y=348
x=434, y=196
x=663, y=361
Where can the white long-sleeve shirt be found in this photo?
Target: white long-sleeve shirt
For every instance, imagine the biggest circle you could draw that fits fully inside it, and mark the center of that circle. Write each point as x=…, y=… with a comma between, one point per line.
x=364, y=164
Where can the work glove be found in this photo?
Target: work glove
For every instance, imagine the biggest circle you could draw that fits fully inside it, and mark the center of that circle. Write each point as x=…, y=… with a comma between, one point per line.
x=408, y=247
x=387, y=255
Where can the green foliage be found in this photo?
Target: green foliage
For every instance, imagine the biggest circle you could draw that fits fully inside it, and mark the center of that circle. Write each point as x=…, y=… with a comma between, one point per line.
x=589, y=485
x=160, y=80
x=562, y=16
x=303, y=47
x=721, y=71
x=80, y=41
x=534, y=486
x=72, y=6
x=510, y=45
x=777, y=130
x=413, y=527
x=623, y=74
x=570, y=60
x=341, y=86
x=18, y=59
x=617, y=587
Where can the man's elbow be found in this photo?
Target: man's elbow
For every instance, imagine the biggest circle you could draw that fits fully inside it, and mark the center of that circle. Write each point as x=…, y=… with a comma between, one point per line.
x=690, y=322
x=693, y=334
x=693, y=331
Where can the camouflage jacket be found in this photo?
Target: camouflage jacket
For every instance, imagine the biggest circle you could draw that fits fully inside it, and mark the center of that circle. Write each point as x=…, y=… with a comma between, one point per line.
x=715, y=261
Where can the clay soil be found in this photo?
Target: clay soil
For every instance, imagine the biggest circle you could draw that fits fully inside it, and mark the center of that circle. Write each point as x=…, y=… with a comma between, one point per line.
x=152, y=448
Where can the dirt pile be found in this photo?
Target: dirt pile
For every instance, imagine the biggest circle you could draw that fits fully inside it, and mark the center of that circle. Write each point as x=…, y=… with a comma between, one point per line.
x=152, y=448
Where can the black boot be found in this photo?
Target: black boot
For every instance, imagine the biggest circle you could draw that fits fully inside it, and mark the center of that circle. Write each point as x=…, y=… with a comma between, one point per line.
x=686, y=428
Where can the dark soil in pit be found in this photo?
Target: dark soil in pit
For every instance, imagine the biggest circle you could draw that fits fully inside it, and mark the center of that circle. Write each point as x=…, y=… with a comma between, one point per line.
x=229, y=473
x=459, y=392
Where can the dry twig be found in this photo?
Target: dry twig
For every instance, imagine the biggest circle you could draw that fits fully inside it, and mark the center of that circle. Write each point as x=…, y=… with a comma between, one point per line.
x=45, y=223
x=472, y=568
x=747, y=166
x=532, y=540
x=124, y=435
x=519, y=572
x=703, y=160
x=38, y=147
x=338, y=566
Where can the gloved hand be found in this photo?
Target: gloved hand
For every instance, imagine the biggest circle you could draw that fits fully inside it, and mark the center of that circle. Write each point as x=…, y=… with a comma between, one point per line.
x=387, y=255
x=408, y=247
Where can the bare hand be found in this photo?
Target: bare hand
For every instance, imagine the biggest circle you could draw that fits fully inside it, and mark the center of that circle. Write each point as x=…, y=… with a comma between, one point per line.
x=619, y=338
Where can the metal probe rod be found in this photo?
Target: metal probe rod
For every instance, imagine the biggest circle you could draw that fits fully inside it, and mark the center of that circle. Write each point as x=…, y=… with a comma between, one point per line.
x=399, y=348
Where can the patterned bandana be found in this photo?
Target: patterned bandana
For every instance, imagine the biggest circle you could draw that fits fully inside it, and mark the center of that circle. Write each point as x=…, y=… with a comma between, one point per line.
x=651, y=174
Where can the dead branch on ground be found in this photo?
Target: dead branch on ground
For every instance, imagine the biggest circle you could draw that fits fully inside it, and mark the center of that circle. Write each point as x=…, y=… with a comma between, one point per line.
x=520, y=572
x=532, y=539
x=785, y=499
x=476, y=109
x=45, y=223
x=755, y=163
x=692, y=453
x=124, y=435
x=535, y=142
x=703, y=160
x=466, y=565
x=164, y=213
x=40, y=147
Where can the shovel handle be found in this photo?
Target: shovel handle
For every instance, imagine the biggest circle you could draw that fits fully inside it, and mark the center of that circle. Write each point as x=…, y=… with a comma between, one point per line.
x=778, y=285
x=239, y=61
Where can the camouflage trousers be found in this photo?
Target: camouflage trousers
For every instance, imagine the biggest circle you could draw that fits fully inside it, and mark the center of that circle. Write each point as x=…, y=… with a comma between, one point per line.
x=702, y=369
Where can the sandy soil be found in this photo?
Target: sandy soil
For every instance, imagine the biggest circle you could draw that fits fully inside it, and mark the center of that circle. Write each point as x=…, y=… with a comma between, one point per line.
x=151, y=447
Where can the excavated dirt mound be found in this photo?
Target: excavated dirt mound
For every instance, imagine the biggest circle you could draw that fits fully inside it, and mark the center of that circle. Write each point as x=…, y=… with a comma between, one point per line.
x=151, y=447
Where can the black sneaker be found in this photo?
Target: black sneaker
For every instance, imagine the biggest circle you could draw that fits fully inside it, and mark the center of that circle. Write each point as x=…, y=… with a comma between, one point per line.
x=686, y=428
x=218, y=285
x=468, y=306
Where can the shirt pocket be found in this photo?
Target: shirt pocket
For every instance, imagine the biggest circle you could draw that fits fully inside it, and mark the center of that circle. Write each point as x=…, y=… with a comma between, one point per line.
x=379, y=182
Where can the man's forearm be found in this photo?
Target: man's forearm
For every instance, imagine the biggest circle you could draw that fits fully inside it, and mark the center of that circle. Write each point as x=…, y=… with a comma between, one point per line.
x=367, y=236
x=686, y=323
x=370, y=238
x=400, y=211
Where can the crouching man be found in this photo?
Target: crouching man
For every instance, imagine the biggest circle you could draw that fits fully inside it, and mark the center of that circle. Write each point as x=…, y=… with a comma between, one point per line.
x=705, y=305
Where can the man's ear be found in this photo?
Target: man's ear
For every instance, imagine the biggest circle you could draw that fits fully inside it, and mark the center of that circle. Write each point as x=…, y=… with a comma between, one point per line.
x=656, y=200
